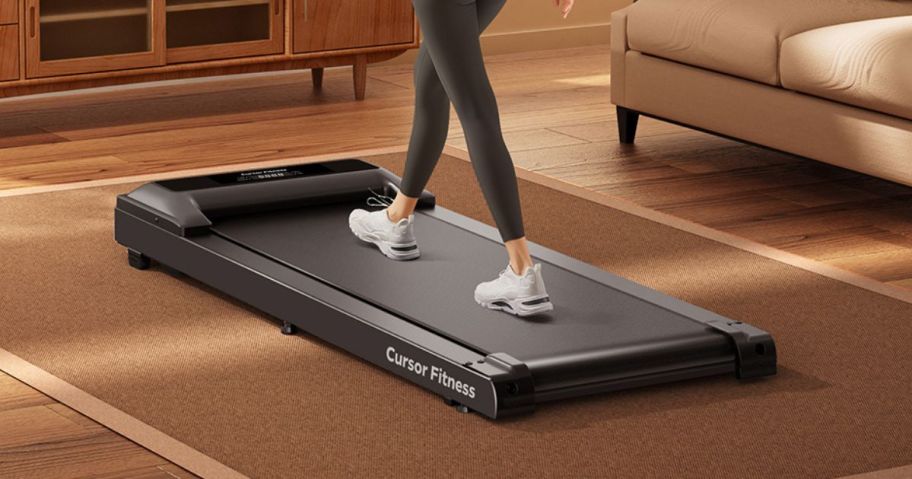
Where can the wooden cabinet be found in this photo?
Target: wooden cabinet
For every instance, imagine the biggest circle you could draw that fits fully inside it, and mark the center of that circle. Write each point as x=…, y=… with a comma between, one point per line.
x=65, y=37
x=9, y=52
x=321, y=25
x=9, y=40
x=84, y=43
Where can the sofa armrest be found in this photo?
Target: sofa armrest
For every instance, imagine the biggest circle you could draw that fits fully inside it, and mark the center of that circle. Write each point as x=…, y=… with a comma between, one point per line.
x=618, y=54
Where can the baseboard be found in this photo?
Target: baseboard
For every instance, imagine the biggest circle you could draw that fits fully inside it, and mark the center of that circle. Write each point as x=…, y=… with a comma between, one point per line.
x=532, y=40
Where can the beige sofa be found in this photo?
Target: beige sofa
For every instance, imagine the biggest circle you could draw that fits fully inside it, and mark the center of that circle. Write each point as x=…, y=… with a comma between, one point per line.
x=829, y=80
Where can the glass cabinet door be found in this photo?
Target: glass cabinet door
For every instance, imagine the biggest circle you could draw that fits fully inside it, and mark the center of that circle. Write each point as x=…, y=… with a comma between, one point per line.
x=199, y=30
x=67, y=36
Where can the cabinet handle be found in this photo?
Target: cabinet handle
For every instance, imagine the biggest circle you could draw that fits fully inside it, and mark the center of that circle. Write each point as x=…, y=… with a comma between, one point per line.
x=32, y=19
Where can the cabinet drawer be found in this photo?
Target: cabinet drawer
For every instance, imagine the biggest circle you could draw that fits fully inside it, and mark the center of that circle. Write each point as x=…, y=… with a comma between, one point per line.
x=9, y=12
x=9, y=52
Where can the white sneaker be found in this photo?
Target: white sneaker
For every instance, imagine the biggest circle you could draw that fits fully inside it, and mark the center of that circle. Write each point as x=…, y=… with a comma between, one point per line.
x=522, y=295
x=395, y=240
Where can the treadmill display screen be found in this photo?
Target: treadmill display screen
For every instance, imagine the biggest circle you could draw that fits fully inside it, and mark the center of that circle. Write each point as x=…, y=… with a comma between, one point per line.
x=268, y=174
x=312, y=169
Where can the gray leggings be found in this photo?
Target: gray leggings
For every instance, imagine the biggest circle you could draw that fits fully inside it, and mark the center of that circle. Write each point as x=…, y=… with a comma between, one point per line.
x=450, y=67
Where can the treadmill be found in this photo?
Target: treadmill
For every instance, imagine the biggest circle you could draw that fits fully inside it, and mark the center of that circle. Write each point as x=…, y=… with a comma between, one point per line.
x=278, y=239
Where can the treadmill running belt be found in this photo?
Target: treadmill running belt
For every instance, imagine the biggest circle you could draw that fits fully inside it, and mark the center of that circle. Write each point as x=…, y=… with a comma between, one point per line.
x=589, y=319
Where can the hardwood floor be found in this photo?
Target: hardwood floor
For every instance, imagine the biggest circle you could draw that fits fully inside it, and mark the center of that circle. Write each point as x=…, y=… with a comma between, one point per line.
x=557, y=120
x=41, y=438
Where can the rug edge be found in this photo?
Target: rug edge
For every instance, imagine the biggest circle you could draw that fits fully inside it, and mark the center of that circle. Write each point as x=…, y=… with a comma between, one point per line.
x=610, y=201
x=114, y=419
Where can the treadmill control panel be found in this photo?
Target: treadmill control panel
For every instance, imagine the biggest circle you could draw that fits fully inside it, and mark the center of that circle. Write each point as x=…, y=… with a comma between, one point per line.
x=268, y=174
x=272, y=174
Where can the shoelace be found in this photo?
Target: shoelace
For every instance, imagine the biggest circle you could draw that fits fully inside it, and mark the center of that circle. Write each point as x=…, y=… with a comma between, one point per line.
x=379, y=200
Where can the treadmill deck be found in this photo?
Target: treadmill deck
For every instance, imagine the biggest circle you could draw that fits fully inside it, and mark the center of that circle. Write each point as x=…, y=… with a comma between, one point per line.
x=436, y=291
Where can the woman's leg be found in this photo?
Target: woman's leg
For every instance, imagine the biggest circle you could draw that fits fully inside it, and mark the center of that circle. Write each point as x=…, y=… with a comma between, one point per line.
x=386, y=229
x=431, y=122
x=452, y=49
x=451, y=35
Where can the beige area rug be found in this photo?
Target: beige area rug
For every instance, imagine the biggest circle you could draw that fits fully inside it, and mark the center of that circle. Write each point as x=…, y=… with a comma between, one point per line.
x=213, y=386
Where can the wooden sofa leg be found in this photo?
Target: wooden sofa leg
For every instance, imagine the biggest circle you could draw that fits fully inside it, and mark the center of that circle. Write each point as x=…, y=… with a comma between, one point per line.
x=317, y=75
x=627, y=124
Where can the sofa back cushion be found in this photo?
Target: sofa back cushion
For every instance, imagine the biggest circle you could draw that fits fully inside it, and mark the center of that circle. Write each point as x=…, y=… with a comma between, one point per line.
x=740, y=37
x=866, y=64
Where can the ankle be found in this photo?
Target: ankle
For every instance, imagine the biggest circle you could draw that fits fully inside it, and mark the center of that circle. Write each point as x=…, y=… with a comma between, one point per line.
x=395, y=216
x=402, y=207
x=519, y=268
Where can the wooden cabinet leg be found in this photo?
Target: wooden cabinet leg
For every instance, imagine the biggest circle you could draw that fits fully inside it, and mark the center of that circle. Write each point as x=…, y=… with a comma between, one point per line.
x=360, y=74
x=317, y=75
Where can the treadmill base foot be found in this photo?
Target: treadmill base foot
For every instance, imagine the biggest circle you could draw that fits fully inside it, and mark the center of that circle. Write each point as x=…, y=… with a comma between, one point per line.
x=288, y=329
x=138, y=260
x=457, y=405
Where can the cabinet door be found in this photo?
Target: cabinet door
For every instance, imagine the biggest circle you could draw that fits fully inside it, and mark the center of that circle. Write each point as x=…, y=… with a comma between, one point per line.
x=9, y=52
x=199, y=30
x=65, y=37
x=9, y=13
x=339, y=24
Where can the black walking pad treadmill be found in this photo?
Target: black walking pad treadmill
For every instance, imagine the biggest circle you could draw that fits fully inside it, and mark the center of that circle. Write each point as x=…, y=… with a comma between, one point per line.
x=279, y=240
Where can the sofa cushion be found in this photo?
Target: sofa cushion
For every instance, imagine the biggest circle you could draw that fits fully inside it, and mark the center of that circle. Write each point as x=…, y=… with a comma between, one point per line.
x=866, y=64
x=740, y=37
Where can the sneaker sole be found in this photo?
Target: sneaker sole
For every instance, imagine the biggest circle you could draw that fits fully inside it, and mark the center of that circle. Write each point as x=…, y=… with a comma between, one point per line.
x=398, y=252
x=522, y=308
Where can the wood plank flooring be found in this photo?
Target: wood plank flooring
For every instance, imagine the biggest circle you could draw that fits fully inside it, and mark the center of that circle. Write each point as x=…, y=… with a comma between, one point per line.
x=557, y=120
x=40, y=438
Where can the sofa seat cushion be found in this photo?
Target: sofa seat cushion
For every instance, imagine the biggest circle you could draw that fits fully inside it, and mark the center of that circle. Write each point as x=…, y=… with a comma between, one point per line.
x=740, y=37
x=866, y=64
